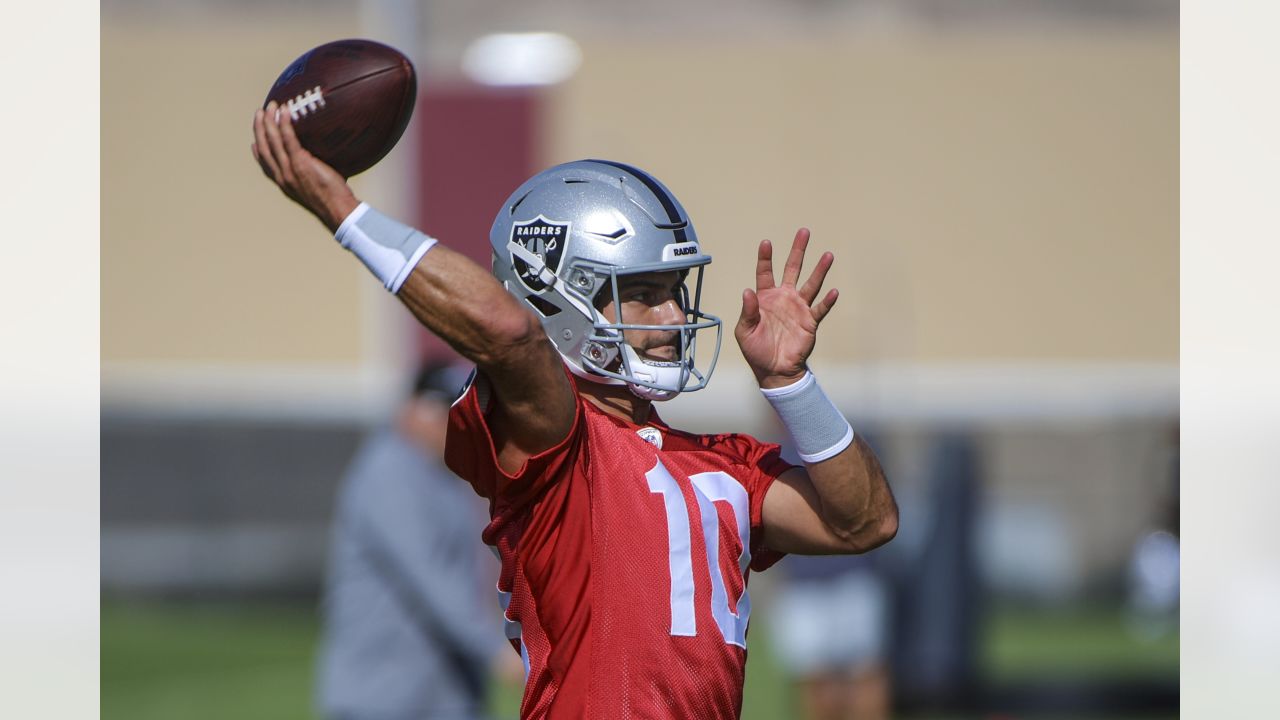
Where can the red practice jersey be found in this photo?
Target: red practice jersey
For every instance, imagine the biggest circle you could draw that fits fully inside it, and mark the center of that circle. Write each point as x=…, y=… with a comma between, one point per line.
x=625, y=553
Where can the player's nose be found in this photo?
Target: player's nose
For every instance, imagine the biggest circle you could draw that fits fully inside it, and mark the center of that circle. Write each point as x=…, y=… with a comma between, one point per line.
x=670, y=313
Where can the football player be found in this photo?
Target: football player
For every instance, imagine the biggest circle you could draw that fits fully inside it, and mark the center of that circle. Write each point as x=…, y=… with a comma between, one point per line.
x=626, y=544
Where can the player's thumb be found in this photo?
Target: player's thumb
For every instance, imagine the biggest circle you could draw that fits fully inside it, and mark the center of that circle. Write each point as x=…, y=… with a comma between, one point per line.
x=750, y=310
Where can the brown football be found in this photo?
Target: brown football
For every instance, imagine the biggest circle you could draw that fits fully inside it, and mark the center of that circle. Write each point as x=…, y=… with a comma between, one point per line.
x=350, y=101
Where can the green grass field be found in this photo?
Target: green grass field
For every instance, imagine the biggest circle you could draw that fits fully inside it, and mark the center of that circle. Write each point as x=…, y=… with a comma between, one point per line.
x=1076, y=642
x=198, y=663
x=216, y=662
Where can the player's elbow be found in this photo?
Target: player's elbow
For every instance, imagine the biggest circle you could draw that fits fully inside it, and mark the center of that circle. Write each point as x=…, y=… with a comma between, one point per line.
x=871, y=532
x=510, y=333
x=515, y=326
x=887, y=527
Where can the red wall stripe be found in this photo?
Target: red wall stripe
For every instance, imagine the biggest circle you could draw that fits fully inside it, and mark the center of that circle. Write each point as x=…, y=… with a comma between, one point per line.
x=476, y=145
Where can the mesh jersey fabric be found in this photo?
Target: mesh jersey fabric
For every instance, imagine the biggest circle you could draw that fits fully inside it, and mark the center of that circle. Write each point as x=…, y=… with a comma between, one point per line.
x=617, y=602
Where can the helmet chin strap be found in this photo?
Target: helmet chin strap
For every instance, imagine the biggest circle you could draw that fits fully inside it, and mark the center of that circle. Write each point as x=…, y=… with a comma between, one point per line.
x=586, y=374
x=669, y=374
x=664, y=373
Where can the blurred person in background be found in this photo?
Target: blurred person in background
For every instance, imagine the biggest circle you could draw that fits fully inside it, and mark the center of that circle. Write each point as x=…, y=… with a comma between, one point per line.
x=1155, y=561
x=830, y=625
x=830, y=628
x=408, y=630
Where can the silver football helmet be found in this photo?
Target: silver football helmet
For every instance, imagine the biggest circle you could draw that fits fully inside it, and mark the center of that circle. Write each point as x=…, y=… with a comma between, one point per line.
x=561, y=242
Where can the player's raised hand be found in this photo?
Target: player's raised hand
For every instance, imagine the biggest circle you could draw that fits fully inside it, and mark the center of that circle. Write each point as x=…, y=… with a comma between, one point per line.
x=300, y=175
x=779, y=323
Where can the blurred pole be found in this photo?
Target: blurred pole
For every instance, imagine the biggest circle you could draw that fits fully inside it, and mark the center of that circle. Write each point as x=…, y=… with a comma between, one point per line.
x=398, y=23
x=935, y=658
x=387, y=347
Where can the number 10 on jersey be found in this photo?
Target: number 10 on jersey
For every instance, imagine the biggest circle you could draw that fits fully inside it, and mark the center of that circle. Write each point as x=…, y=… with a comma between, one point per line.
x=708, y=487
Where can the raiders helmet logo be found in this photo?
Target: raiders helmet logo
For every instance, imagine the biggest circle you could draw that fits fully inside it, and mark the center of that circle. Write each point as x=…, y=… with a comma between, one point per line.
x=544, y=238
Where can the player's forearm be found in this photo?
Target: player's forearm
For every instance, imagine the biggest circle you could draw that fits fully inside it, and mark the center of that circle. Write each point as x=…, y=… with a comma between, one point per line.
x=447, y=292
x=855, y=500
x=465, y=306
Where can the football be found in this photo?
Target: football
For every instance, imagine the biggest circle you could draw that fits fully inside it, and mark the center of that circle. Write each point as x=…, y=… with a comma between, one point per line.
x=350, y=101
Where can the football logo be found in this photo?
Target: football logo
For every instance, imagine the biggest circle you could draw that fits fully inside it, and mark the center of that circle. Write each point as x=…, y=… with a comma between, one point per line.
x=544, y=238
x=651, y=435
x=298, y=67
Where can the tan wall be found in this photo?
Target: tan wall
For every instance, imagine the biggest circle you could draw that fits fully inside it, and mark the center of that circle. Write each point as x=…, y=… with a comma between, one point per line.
x=989, y=198
x=202, y=262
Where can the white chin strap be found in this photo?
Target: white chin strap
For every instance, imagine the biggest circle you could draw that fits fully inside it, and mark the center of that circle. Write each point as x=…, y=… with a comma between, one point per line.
x=671, y=375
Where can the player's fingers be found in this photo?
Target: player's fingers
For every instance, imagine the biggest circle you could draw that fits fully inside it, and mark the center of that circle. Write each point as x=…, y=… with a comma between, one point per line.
x=795, y=259
x=275, y=140
x=809, y=291
x=764, y=266
x=750, y=310
x=271, y=129
x=824, y=306
x=290, y=138
x=262, y=147
x=257, y=157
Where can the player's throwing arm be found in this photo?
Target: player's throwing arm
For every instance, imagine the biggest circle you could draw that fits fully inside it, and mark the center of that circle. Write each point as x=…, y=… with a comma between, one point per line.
x=452, y=296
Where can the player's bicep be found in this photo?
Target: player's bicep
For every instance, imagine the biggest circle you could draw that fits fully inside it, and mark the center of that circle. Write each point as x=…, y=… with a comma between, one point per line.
x=792, y=518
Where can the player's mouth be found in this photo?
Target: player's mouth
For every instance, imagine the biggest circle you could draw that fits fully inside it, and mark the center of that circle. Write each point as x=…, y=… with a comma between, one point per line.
x=661, y=353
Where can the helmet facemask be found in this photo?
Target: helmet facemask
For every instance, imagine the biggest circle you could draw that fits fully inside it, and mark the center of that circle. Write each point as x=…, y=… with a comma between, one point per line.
x=607, y=352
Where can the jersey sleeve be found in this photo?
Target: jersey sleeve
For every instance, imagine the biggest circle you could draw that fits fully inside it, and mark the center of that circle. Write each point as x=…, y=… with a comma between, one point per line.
x=470, y=451
x=761, y=463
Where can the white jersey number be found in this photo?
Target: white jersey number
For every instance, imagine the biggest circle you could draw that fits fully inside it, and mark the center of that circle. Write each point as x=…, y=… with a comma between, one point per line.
x=709, y=488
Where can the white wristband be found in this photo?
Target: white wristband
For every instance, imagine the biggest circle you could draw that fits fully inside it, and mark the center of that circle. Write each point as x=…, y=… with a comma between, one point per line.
x=819, y=430
x=390, y=249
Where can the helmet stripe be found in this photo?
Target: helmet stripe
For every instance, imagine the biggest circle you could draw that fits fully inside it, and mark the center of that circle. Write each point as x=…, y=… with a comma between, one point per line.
x=656, y=188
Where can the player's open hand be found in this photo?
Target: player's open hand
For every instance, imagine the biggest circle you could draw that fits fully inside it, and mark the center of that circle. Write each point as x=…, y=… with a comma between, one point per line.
x=300, y=175
x=779, y=323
